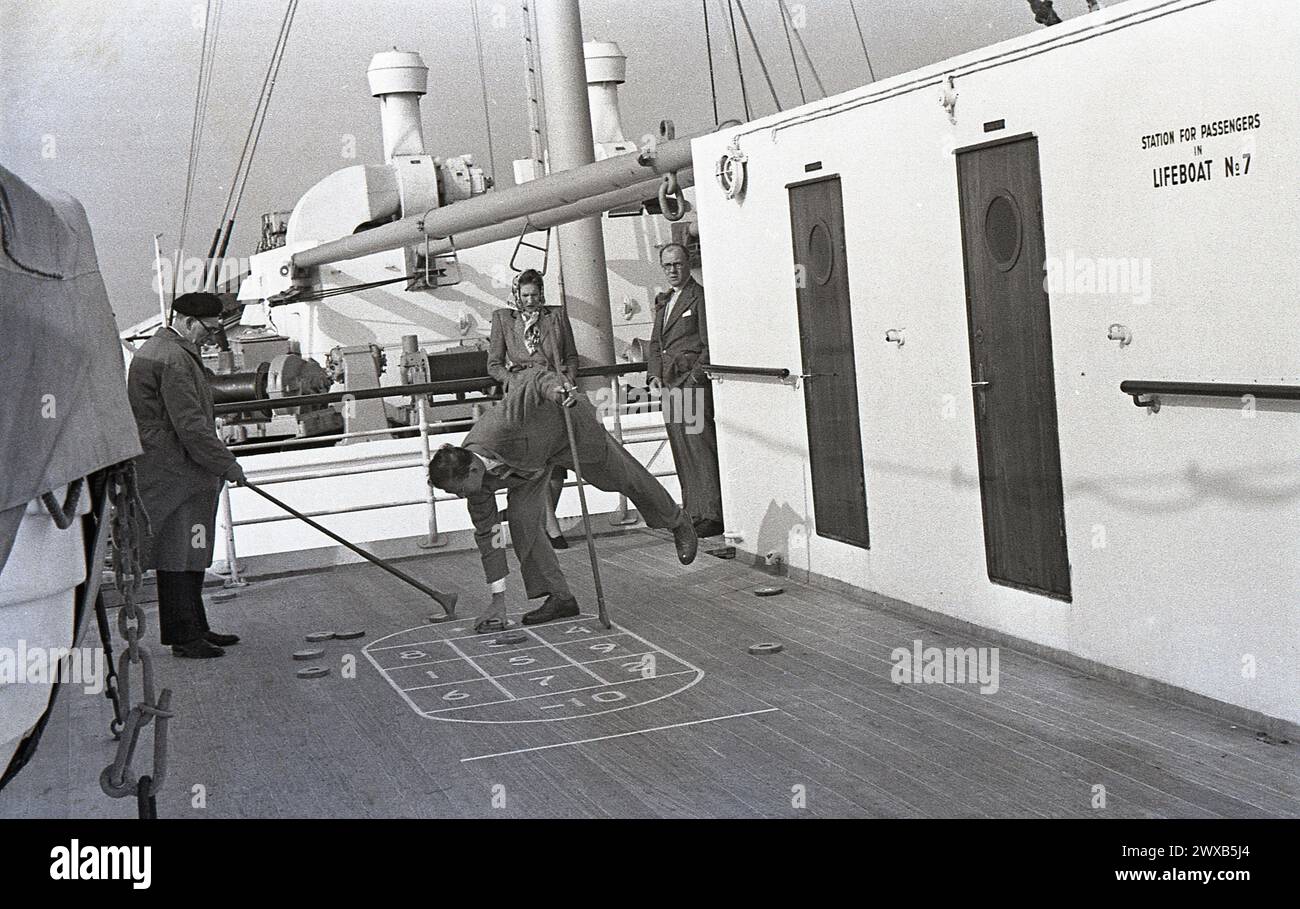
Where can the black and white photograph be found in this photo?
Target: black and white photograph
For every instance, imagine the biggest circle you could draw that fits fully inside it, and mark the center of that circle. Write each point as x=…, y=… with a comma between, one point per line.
x=432, y=412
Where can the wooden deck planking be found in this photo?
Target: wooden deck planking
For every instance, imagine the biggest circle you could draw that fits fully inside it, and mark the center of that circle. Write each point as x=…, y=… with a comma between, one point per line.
x=268, y=744
x=1122, y=752
x=1079, y=695
x=833, y=641
x=815, y=695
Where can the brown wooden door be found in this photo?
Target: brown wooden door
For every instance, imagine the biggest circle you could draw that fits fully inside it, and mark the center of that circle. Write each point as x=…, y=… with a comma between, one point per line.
x=1011, y=367
x=826, y=340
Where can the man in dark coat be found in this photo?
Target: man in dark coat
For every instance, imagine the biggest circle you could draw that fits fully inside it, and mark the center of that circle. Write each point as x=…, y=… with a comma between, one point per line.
x=514, y=446
x=677, y=353
x=181, y=471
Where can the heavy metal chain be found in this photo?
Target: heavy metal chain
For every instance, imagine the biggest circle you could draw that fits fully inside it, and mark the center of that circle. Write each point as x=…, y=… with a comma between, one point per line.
x=128, y=530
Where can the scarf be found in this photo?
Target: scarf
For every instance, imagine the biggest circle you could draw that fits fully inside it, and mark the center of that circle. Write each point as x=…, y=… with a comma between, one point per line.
x=532, y=329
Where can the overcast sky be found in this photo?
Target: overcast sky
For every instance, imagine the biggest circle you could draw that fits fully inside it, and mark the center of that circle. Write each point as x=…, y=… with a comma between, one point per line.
x=98, y=97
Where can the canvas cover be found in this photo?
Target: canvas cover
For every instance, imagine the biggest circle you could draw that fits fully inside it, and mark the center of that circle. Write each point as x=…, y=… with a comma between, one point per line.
x=63, y=405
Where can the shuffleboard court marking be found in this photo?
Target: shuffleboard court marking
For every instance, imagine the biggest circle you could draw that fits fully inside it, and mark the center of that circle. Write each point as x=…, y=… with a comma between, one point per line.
x=535, y=669
x=566, y=639
x=482, y=672
x=480, y=637
x=555, y=694
x=573, y=661
x=619, y=735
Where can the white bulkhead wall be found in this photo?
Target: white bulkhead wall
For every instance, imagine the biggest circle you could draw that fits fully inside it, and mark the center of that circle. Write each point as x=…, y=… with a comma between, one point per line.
x=1183, y=526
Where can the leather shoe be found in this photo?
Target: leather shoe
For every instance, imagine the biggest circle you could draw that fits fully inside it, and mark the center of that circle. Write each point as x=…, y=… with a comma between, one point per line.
x=221, y=640
x=686, y=540
x=554, y=608
x=558, y=542
x=197, y=649
x=706, y=527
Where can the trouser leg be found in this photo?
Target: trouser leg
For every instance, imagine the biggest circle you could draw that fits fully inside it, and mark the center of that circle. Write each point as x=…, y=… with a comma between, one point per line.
x=178, y=620
x=526, y=504
x=196, y=592
x=554, y=486
x=677, y=444
x=694, y=442
x=618, y=471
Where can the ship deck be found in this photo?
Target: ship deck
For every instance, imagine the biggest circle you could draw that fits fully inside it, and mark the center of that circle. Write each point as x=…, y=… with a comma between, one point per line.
x=665, y=715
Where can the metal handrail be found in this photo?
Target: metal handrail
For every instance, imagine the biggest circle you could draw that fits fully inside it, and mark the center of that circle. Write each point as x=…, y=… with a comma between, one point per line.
x=447, y=387
x=767, y=371
x=419, y=391
x=613, y=369
x=251, y=447
x=454, y=386
x=324, y=474
x=1138, y=388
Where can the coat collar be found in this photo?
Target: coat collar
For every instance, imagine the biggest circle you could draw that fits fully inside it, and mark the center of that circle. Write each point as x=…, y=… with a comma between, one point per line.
x=172, y=336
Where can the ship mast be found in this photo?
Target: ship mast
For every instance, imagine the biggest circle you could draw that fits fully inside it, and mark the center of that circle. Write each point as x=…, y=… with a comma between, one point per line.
x=583, y=275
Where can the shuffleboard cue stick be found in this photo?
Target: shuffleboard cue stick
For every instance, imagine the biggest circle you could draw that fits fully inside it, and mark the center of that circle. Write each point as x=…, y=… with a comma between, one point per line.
x=586, y=519
x=446, y=600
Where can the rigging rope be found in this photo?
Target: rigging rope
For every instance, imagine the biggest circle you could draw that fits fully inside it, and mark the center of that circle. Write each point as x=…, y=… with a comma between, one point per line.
x=857, y=23
x=482, y=81
x=759, y=54
x=207, y=56
x=794, y=61
x=735, y=42
x=798, y=37
x=708, y=50
x=259, y=117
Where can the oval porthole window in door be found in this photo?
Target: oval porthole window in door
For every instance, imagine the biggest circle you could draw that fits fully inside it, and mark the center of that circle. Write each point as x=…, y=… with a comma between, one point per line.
x=1002, y=230
x=821, y=252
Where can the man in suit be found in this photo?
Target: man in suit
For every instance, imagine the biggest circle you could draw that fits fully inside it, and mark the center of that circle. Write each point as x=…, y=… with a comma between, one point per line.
x=181, y=471
x=514, y=446
x=532, y=335
x=678, y=351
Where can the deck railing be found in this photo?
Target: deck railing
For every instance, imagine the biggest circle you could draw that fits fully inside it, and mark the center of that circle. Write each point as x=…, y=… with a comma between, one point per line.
x=1146, y=393
x=424, y=429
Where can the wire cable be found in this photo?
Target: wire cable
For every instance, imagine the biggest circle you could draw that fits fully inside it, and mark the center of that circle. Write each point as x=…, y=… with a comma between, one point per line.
x=794, y=61
x=762, y=64
x=735, y=42
x=857, y=23
x=708, y=50
x=207, y=54
x=482, y=81
x=263, y=99
x=803, y=47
